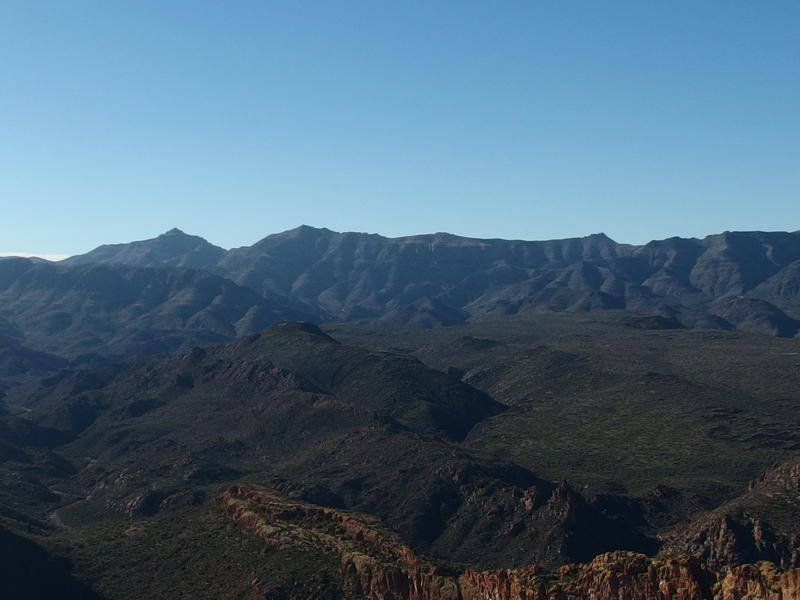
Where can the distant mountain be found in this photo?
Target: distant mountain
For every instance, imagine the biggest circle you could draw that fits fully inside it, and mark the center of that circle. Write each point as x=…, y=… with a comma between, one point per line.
x=132, y=298
x=735, y=280
x=171, y=249
x=111, y=311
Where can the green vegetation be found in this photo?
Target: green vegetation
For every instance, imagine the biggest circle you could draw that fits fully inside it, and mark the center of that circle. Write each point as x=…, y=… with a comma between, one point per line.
x=195, y=553
x=616, y=408
x=455, y=438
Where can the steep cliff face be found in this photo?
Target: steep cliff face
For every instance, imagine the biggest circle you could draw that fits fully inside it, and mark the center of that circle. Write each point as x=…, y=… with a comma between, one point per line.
x=735, y=539
x=617, y=575
x=629, y=576
x=375, y=564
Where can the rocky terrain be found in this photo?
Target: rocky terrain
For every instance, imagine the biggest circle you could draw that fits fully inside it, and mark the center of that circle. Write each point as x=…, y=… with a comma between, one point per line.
x=338, y=424
x=595, y=421
x=759, y=525
x=442, y=459
x=375, y=564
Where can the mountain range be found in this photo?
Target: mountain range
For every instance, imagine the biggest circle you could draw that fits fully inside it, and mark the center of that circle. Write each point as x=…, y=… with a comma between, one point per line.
x=148, y=290
x=347, y=416
x=743, y=280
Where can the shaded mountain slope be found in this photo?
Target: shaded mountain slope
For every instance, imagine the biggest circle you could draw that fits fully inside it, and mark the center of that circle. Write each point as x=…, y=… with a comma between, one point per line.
x=26, y=456
x=115, y=310
x=31, y=572
x=443, y=279
x=355, y=276
x=196, y=553
x=22, y=369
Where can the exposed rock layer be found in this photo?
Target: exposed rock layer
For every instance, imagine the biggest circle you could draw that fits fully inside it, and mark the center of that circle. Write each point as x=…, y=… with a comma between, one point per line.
x=375, y=564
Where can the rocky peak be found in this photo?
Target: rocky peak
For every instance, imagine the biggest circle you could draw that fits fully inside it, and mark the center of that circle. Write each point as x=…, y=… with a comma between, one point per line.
x=173, y=231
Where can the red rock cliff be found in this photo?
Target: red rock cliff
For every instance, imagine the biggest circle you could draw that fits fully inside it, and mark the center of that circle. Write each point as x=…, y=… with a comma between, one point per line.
x=375, y=563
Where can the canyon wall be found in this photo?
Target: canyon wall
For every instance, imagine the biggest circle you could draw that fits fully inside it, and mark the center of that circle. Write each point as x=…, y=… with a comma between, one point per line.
x=375, y=564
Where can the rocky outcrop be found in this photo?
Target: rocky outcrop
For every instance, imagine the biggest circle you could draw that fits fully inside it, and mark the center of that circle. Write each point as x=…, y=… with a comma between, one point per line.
x=725, y=540
x=759, y=525
x=376, y=564
x=617, y=575
x=762, y=581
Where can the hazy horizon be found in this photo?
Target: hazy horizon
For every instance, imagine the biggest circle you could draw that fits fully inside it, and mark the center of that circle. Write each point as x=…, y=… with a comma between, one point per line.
x=55, y=257
x=516, y=120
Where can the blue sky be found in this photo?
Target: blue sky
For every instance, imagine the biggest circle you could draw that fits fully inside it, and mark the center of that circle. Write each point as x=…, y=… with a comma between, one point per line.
x=532, y=120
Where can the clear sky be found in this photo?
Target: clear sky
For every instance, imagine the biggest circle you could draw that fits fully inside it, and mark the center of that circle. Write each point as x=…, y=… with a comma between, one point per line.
x=517, y=119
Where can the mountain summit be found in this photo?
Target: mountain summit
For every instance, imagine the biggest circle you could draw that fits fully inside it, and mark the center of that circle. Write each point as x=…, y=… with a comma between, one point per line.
x=173, y=248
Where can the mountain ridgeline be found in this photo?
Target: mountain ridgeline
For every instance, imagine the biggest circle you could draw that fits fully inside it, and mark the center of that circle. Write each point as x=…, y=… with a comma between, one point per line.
x=176, y=290
x=735, y=280
x=344, y=416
